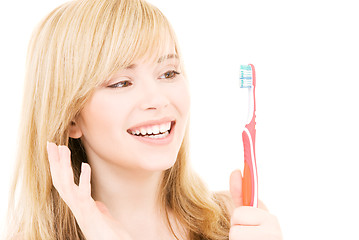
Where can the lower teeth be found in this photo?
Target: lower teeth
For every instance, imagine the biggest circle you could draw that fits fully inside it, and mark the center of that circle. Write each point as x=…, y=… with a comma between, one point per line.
x=162, y=135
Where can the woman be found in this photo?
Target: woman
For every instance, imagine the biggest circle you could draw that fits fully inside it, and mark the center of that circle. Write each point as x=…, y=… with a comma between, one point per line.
x=106, y=88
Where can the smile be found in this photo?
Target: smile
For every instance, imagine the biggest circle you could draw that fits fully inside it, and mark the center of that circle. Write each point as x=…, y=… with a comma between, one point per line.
x=153, y=132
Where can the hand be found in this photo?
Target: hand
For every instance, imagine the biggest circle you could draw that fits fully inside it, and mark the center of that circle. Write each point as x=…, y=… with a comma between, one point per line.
x=93, y=217
x=249, y=223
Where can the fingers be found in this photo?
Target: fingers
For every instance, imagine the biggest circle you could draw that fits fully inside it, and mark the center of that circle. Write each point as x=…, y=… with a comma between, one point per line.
x=245, y=233
x=93, y=218
x=63, y=177
x=67, y=176
x=249, y=223
x=78, y=198
x=54, y=161
x=85, y=179
x=248, y=216
x=61, y=170
x=53, y=155
x=235, y=187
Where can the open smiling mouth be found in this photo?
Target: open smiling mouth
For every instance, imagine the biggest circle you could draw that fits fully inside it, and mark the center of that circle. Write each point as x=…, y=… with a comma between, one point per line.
x=155, y=131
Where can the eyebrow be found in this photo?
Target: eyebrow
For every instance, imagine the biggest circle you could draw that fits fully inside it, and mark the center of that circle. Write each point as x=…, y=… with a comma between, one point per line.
x=160, y=60
x=169, y=56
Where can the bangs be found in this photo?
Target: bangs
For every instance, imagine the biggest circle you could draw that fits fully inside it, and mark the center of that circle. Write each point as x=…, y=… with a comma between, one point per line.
x=89, y=40
x=155, y=38
x=140, y=32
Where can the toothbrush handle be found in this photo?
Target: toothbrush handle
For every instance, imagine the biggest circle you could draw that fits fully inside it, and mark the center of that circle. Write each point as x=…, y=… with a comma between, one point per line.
x=250, y=178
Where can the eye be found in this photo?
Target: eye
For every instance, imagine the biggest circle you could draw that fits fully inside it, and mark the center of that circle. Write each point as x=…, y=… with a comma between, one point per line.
x=169, y=75
x=121, y=84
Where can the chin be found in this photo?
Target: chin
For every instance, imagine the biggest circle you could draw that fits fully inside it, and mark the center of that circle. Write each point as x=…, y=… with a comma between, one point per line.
x=158, y=164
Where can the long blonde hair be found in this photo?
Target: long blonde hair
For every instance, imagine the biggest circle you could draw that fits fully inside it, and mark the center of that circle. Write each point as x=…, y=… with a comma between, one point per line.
x=72, y=51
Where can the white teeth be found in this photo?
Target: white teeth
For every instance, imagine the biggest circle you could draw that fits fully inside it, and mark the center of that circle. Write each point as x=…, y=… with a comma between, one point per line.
x=163, y=128
x=162, y=135
x=156, y=129
x=149, y=131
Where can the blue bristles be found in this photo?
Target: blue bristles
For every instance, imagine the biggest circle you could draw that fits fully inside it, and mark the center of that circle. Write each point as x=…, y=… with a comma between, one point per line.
x=246, y=77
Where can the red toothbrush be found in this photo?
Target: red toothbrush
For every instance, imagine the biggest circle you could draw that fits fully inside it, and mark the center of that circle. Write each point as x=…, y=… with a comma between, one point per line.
x=250, y=176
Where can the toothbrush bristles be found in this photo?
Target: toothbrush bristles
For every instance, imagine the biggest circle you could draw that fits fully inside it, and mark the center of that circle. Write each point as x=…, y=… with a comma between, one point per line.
x=246, y=78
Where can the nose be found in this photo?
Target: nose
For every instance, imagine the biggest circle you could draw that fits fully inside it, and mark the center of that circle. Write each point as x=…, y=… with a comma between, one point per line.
x=154, y=96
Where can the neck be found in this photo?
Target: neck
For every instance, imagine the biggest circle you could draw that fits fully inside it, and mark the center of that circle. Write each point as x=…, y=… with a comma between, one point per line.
x=127, y=192
x=132, y=198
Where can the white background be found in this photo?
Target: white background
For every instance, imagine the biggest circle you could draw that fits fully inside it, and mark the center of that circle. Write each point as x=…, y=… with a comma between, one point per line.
x=306, y=55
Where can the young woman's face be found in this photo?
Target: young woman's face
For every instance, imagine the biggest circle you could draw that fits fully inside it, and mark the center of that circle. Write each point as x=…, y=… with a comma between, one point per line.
x=123, y=120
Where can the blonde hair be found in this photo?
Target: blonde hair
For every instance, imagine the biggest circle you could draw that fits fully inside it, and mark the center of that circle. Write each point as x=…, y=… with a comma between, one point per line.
x=72, y=51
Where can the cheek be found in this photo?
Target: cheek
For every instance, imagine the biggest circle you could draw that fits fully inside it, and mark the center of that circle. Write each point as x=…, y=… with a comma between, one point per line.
x=102, y=124
x=181, y=97
x=101, y=115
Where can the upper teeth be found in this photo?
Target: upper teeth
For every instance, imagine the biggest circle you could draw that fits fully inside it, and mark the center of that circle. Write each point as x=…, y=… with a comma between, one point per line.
x=155, y=129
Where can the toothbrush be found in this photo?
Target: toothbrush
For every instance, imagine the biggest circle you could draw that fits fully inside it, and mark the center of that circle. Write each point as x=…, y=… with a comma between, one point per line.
x=250, y=177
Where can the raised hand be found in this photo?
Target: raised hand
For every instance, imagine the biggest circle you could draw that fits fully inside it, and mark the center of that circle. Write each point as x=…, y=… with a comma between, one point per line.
x=249, y=223
x=93, y=217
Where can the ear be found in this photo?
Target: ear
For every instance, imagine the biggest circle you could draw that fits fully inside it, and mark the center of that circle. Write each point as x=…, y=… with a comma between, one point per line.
x=74, y=130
